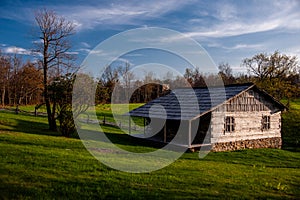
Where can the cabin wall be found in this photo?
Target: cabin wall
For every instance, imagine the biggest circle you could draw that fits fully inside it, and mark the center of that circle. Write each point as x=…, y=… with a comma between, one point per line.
x=247, y=110
x=201, y=127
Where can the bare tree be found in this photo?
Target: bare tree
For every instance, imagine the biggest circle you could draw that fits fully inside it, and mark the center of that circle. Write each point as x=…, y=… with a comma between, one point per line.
x=54, y=33
x=225, y=69
x=195, y=77
x=4, y=76
x=15, y=81
x=225, y=72
x=127, y=77
x=106, y=84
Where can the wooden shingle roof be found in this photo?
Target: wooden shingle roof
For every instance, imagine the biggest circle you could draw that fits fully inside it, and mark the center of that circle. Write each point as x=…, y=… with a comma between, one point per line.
x=188, y=103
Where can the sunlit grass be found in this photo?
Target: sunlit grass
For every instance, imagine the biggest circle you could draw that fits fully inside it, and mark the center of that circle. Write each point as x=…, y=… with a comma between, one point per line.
x=291, y=126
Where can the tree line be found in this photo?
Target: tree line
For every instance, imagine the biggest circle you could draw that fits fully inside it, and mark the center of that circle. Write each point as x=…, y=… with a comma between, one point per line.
x=276, y=73
x=20, y=83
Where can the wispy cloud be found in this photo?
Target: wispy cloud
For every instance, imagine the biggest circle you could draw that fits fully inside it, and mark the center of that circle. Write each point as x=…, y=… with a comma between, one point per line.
x=84, y=50
x=98, y=52
x=72, y=52
x=123, y=61
x=37, y=41
x=229, y=21
x=124, y=13
x=134, y=55
x=293, y=51
x=234, y=29
x=85, y=45
x=216, y=19
x=226, y=11
x=246, y=46
x=17, y=50
x=239, y=46
x=87, y=16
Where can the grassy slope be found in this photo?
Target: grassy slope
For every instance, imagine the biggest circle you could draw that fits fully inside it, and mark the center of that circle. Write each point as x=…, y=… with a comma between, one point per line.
x=35, y=163
x=291, y=126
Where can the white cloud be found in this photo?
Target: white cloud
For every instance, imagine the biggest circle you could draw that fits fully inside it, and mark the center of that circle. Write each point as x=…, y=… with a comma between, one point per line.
x=292, y=51
x=17, y=50
x=123, y=61
x=85, y=45
x=97, y=52
x=233, y=21
x=226, y=11
x=78, y=25
x=235, y=29
x=244, y=46
x=86, y=50
x=87, y=16
x=134, y=55
x=93, y=52
x=125, y=13
x=72, y=53
x=37, y=41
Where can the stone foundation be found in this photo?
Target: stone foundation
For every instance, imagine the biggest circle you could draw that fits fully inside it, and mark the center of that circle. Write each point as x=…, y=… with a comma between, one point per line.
x=274, y=142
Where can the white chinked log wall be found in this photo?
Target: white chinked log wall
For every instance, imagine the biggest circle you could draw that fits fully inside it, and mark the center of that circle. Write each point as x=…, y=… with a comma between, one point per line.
x=247, y=110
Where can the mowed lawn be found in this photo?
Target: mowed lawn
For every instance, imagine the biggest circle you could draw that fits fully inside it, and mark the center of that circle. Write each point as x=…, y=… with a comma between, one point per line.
x=38, y=164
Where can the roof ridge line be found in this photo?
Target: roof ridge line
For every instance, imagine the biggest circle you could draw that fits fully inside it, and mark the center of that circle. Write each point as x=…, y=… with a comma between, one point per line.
x=218, y=86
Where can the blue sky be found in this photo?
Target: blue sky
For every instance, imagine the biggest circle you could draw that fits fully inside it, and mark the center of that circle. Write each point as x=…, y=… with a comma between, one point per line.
x=229, y=30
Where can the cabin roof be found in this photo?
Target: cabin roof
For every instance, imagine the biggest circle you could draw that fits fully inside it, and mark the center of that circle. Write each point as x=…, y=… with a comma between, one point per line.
x=180, y=103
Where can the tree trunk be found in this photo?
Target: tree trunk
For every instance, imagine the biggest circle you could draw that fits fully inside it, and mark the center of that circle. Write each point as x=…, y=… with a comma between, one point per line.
x=51, y=120
x=54, y=126
x=48, y=107
x=3, y=96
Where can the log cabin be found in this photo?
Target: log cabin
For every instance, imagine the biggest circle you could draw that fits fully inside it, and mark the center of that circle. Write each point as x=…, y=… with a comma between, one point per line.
x=224, y=118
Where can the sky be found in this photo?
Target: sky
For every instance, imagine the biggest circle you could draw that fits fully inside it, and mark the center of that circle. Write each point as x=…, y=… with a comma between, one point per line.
x=229, y=31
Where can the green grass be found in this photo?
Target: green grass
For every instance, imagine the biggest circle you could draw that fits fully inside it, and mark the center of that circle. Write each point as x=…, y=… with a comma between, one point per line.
x=119, y=110
x=105, y=112
x=291, y=126
x=24, y=122
x=36, y=164
x=31, y=108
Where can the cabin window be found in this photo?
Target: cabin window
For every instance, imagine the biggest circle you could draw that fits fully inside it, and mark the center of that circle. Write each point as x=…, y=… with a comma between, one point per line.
x=279, y=124
x=251, y=93
x=265, y=122
x=229, y=124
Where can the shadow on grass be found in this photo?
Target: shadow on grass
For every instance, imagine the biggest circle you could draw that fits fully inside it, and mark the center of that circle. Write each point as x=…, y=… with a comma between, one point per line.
x=25, y=123
x=124, y=139
x=29, y=124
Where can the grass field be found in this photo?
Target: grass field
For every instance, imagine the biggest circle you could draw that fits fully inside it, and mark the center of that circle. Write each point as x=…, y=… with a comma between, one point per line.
x=38, y=164
x=291, y=126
